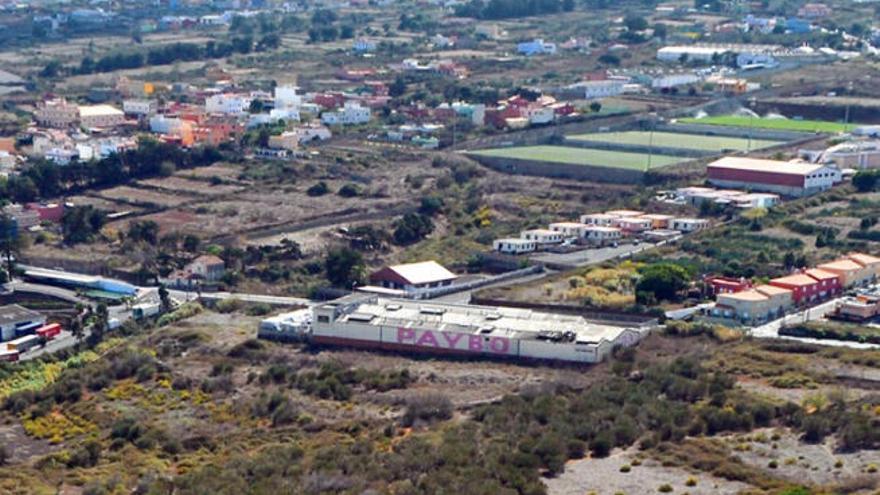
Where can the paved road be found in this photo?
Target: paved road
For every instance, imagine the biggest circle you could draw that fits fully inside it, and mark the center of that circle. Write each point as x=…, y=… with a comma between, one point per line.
x=50, y=290
x=591, y=256
x=771, y=330
x=253, y=298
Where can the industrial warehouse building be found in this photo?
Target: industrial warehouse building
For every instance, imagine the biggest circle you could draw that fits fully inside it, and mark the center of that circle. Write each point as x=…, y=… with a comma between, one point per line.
x=374, y=322
x=16, y=321
x=785, y=178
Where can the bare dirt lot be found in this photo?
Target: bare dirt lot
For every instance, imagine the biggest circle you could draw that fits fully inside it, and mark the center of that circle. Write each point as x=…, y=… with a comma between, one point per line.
x=187, y=186
x=604, y=477
x=140, y=196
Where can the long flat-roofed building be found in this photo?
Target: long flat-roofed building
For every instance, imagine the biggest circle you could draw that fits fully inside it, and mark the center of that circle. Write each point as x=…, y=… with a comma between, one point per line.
x=785, y=178
x=374, y=322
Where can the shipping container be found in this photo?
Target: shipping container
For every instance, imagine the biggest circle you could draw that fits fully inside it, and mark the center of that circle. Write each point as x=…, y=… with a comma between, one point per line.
x=49, y=332
x=23, y=344
x=145, y=310
x=8, y=355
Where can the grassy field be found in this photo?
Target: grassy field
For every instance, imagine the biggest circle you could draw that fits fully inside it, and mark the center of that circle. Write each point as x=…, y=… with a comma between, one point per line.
x=581, y=156
x=676, y=140
x=775, y=124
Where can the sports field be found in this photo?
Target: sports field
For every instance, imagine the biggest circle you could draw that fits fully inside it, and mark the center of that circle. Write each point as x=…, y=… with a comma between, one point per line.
x=583, y=156
x=775, y=124
x=676, y=140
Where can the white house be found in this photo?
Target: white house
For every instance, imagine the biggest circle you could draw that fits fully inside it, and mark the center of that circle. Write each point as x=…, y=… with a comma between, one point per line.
x=600, y=89
x=227, y=104
x=601, y=219
x=513, y=245
x=690, y=224
x=161, y=124
x=140, y=108
x=595, y=234
x=286, y=97
x=542, y=237
x=673, y=80
x=541, y=115
x=569, y=229
x=351, y=114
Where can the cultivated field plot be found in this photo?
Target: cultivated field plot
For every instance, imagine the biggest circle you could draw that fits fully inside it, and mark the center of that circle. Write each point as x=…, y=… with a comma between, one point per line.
x=676, y=140
x=774, y=124
x=180, y=184
x=582, y=156
x=143, y=196
x=219, y=170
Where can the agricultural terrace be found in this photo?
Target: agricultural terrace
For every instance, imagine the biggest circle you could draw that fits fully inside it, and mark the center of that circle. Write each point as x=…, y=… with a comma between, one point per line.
x=777, y=124
x=581, y=156
x=676, y=140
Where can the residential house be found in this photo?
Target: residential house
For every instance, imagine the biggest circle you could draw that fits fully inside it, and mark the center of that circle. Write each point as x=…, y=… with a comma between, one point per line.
x=804, y=288
x=871, y=264
x=633, y=225
x=601, y=236
x=542, y=237
x=728, y=285
x=830, y=283
x=226, y=103
x=514, y=245
x=851, y=274
x=753, y=306
x=352, y=113
x=412, y=277
x=600, y=219
x=207, y=267
x=659, y=221
x=569, y=229
x=686, y=225
x=624, y=213
x=140, y=108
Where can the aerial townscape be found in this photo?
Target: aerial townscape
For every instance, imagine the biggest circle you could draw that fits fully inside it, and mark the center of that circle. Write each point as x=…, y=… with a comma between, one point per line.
x=439, y=247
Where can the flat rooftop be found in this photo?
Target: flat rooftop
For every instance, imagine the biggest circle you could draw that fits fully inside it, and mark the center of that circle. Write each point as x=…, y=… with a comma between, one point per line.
x=759, y=165
x=13, y=313
x=488, y=321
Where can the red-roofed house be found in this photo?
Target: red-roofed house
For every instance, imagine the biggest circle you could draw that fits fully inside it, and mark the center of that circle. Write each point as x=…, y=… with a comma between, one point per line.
x=413, y=276
x=727, y=285
x=829, y=282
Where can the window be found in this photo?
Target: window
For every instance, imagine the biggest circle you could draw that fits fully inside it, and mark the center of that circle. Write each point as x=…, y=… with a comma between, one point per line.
x=323, y=319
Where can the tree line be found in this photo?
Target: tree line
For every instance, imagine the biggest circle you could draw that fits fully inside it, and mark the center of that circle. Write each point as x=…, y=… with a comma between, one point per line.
x=506, y=9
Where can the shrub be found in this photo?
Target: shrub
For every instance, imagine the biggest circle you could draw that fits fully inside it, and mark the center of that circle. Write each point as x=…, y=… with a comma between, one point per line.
x=349, y=191
x=427, y=408
x=229, y=305
x=691, y=481
x=318, y=189
x=664, y=488
x=625, y=468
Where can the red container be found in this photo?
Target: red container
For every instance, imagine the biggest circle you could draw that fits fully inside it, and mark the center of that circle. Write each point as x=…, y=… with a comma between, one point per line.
x=49, y=332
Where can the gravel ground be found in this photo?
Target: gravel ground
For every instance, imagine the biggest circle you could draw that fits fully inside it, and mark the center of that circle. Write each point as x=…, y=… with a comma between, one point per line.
x=800, y=462
x=603, y=477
